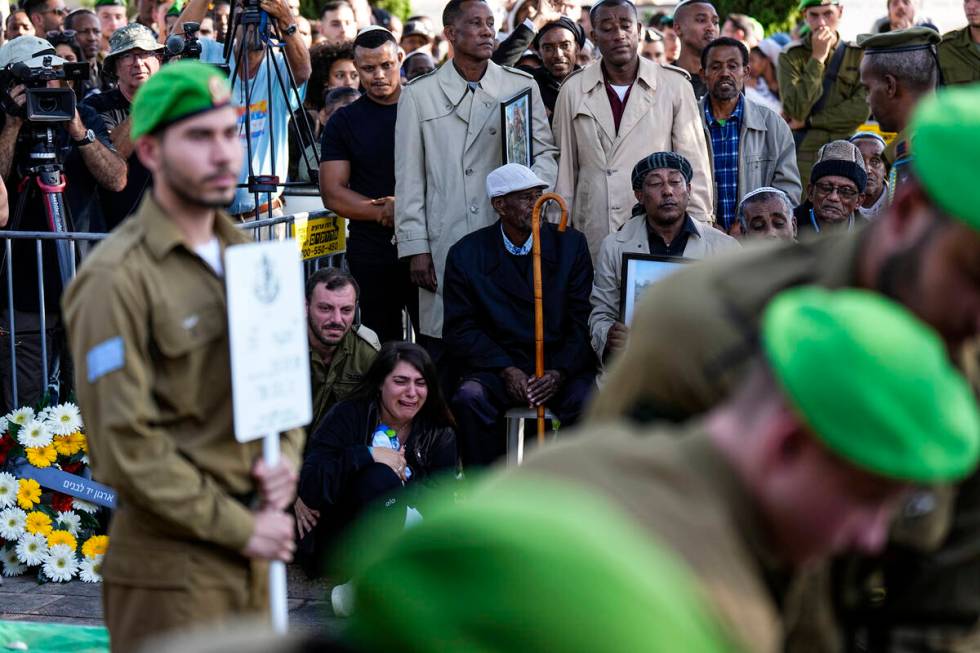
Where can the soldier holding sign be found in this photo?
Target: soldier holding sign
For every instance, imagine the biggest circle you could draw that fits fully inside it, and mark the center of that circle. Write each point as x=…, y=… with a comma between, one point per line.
x=198, y=516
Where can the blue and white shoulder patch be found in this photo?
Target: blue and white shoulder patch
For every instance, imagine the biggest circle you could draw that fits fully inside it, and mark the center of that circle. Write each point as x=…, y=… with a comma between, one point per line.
x=107, y=356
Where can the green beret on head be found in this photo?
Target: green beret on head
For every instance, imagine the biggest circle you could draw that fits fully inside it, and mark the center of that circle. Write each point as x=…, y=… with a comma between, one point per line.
x=873, y=383
x=806, y=4
x=180, y=90
x=945, y=132
x=176, y=8
x=110, y=3
x=522, y=565
x=903, y=40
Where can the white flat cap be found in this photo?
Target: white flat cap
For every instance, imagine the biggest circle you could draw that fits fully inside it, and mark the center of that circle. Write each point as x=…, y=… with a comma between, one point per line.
x=511, y=178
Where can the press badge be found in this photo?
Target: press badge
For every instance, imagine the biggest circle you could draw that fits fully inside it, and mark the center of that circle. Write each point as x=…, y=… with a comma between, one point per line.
x=107, y=356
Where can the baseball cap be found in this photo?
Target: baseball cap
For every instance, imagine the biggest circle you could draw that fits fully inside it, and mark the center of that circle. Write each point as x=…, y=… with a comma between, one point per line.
x=511, y=178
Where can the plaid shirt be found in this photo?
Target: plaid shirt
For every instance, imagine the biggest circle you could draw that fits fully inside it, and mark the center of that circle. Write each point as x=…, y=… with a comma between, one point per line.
x=724, y=148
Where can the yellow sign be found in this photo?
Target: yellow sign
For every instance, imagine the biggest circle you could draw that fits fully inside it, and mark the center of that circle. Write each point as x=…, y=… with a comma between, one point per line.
x=320, y=236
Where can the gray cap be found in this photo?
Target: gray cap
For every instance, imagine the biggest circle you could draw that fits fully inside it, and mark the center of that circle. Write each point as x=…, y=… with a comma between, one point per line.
x=511, y=178
x=29, y=50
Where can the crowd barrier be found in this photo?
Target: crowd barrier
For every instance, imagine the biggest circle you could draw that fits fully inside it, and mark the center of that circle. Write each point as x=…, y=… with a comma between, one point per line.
x=44, y=365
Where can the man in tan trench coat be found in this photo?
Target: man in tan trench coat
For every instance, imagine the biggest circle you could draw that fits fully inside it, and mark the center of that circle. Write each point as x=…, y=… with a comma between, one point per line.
x=601, y=136
x=199, y=514
x=447, y=140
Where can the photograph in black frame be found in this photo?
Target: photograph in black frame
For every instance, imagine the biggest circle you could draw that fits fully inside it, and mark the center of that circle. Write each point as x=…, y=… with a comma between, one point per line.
x=515, y=123
x=639, y=271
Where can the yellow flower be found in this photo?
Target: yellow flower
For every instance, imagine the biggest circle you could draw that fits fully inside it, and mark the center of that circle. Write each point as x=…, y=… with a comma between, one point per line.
x=28, y=493
x=41, y=456
x=95, y=546
x=38, y=522
x=62, y=537
x=77, y=442
x=62, y=445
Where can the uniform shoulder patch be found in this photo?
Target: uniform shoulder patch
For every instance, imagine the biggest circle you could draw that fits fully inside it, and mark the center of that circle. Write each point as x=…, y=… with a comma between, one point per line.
x=105, y=357
x=676, y=69
x=368, y=336
x=518, y=71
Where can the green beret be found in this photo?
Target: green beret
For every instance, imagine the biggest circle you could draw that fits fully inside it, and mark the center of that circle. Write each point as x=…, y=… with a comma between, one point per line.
x=176, y=8
x=110, y=3
x=903, y=40
x=873, y=383
x=180, y=90
x=945, y=132
x=806, y=4
x=523, y=565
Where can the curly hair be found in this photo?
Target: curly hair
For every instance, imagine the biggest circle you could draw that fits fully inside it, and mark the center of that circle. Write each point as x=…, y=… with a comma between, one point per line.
x=322, y=57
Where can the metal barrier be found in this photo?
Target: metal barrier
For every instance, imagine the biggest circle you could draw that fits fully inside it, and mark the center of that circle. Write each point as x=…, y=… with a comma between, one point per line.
x=42, y=371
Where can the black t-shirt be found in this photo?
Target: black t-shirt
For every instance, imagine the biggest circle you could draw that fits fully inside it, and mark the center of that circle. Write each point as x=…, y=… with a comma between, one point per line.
x=113, y=107
x=80, y=196
x=363, y=133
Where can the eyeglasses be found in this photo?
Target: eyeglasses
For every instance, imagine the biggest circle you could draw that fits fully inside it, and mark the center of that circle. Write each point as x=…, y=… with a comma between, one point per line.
x=63, y=34
x=138, y=55
x=844, y=192
x=61, y=11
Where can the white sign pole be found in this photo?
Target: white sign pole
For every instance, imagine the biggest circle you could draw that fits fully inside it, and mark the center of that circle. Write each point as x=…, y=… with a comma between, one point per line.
x=269, y=361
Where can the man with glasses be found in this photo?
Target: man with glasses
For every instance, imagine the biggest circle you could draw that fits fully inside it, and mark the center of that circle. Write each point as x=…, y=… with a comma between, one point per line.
x=85, y=26
x=837, y=182
x=134, y=56
x=46, y=15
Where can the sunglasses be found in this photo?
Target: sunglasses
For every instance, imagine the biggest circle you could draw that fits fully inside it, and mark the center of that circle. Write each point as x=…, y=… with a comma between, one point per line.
x=63, y=34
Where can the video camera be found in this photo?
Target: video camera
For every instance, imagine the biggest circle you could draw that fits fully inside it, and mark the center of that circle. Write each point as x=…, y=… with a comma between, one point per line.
x=43, y=104
x=186, y=46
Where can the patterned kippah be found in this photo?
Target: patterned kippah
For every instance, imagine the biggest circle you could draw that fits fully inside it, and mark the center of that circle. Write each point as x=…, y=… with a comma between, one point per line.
x=658, y=161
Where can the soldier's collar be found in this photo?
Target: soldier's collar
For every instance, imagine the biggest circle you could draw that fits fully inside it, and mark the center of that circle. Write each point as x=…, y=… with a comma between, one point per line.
x=162, y=235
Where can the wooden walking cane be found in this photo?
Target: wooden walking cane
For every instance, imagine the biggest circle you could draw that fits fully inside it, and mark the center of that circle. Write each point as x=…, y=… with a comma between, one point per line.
x=538, y=295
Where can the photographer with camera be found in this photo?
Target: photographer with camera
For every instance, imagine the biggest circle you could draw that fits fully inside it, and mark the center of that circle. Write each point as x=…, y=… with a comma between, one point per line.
x=134, y=56
x=61, y=144
x=268, y=116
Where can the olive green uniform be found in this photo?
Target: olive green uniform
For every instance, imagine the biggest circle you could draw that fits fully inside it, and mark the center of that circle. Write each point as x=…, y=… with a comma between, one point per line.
x=959, y=57
x=148, y=330
x=695, y=354
x=678, y=488
x=801, y=80
x=351, y=360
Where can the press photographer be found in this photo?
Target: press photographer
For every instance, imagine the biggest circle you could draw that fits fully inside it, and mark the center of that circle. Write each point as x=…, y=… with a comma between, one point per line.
x=64, y=147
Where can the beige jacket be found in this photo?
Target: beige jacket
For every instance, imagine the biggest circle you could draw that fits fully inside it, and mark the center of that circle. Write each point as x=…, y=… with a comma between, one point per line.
x=447, y=140
x=596, y=163
x=606, y=288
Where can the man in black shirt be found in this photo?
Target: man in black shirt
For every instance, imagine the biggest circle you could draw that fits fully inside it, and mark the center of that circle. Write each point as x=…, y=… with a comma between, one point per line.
x=134, y=56
x=89, y=162
x=558, y=44
x=357, y=181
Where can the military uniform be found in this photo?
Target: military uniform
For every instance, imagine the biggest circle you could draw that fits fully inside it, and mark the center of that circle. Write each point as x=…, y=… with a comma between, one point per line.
x=351, y=360
x=959, y=58
x=801, y=81
x=147, y=324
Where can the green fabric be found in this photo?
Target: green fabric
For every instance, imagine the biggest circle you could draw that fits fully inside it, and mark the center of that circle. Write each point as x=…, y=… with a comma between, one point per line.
x=110, y=3
x=176, y=8
x=945, y=132
x=529, y=565
x=178, y=91
x=874, y=384
x=806, y=4
x=54, y=638
x=902, y=40
x=959, y=57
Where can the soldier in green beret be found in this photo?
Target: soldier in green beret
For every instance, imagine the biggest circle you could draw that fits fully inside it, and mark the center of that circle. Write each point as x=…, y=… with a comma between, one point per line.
x=959, y=52
x=819, y=84
x=922, y=250
x=199, y=514
x=810, y=456
x=899, y=69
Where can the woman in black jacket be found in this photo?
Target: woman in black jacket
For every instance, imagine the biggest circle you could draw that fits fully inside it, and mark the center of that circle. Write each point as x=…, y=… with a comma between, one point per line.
x=392, y=436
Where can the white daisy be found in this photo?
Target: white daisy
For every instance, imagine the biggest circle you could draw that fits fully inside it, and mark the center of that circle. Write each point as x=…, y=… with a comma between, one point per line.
x=85, y=459
x=70, y=522
x=21, y=416
x=84, y=506
x=12, y=522
x=11, y=565
x=4, y=424
x=64, y=419
x=60, y=564
x=8, y=489
x=34, y=434
x=32, y=548
x=90, y=571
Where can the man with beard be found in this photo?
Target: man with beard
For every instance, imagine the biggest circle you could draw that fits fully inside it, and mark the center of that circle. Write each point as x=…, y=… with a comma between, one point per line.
x=660, y=225
x=959, y=52
x=199, y=513
x=558, y=44
x=750, y=145
x=88, y=35
x=696, y=24
x=835, y=190
x=875, y=196
x=339, y=353
x=134, y=57
x=700, y=330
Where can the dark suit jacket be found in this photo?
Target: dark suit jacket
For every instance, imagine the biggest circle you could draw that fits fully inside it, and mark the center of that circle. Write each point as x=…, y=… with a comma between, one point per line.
x=489, y=305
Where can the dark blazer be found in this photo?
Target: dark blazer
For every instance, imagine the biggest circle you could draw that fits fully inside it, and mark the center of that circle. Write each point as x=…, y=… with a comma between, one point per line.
x=489, y=304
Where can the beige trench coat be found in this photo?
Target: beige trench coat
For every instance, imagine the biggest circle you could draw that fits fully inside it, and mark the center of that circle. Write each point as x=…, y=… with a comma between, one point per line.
x=596, y=163
x=447, y=140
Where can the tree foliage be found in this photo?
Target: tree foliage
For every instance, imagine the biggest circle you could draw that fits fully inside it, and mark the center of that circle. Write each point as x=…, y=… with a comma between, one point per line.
x=775, y=15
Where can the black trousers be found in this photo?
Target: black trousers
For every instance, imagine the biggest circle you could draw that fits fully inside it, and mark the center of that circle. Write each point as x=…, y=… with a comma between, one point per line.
x=385, y=290
x=480, y=402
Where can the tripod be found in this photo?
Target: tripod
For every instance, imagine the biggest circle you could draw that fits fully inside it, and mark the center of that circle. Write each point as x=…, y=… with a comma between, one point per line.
x=254, y=32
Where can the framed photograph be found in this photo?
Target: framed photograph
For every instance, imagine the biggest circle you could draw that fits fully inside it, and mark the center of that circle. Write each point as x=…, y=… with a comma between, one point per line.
x=515, y=120
x=640, y=271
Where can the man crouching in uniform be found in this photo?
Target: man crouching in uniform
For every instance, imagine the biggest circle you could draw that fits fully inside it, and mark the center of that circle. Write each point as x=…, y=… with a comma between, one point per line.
x=199, y=514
